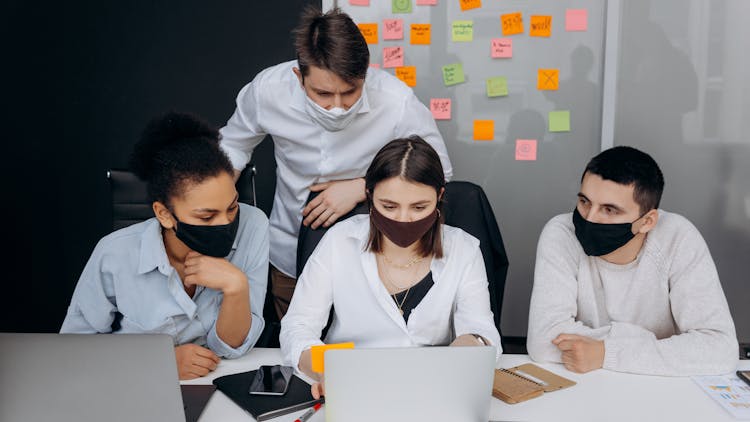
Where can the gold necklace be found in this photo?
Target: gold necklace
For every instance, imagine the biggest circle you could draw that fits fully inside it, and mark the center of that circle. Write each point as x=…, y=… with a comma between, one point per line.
x=402, y=301
x=387, y=277
x=402, y=266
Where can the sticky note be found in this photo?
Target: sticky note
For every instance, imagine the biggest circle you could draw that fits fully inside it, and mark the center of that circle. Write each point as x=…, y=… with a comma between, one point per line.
x=393, y=29
x=541, y=26
x=408, y=74
x=512, y=23
x=359, y=2
x=440, y=108
x=469, y=4
x=484, y=130
x=526, y=149
x=547, y=79
x=501, y=48
x=576, y=20
x=369, y=31
x=426, y=2
x=420, y=33
x=497, y=87
x=463, y=31
x=393, y=57
x=453, y=74
x=559, y=121
x=375, y=65
x=401, y=6
x=317, y=353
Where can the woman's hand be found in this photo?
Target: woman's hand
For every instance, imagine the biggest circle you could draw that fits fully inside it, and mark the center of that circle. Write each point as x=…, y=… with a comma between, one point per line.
x=214, y=273
x=466, y=340
x=194, y=361
x=318, y=389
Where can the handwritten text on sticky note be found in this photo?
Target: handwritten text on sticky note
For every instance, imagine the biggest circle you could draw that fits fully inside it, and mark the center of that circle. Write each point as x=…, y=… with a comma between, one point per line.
x=501, y=48
x=408, y=74
x=463, y=31
x=393, y=57
x=469, y=4
x=512, y=23
x=497, y=87
x=420, y=33
x=440, y=108
x=547, y=79
x=484, y=130
x=453, y=74
x=541, y=26
x=369, y=31
x=526, y=149
x=576, y=20
x=393, y=29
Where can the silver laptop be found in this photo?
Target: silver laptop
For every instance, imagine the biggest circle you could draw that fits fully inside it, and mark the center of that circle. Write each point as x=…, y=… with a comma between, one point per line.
x=88, y=377
x=409, y=384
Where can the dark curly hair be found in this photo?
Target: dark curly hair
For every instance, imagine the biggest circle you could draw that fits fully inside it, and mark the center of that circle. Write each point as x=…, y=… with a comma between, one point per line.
x=177, y=150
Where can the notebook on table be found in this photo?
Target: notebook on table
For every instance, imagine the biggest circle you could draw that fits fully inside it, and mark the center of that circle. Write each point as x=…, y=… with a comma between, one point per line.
x=524, y=382
x=89, y=377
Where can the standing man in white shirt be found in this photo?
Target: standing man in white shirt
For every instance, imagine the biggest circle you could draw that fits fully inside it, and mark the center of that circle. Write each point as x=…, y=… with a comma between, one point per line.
x=328, y=114
x=623, y=285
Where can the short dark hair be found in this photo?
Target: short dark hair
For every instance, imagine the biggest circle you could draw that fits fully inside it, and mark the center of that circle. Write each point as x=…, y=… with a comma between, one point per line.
x=175, y=151
x=331, y=41
x=626, y=165
x=413, y=160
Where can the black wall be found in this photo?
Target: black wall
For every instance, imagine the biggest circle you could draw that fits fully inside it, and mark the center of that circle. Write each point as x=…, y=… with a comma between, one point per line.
x=111, y=66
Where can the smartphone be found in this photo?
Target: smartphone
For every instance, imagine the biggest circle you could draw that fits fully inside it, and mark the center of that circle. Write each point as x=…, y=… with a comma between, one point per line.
x=744, y=376
x=271, y=380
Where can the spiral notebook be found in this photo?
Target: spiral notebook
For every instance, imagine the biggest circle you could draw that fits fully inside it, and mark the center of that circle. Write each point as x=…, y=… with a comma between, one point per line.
x=524, y=382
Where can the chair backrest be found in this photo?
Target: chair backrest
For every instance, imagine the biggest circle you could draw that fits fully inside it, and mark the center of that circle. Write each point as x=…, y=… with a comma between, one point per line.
x=466, y=206
x=130, y=202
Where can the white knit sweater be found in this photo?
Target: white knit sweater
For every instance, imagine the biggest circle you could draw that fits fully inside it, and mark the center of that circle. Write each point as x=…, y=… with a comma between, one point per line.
x=663, y=314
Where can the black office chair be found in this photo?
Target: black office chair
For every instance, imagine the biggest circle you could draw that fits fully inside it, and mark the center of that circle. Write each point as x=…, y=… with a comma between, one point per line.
x=466, y=206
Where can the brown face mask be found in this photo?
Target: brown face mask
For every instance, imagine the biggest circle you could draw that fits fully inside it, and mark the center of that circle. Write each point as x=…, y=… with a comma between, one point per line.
x=401, y=233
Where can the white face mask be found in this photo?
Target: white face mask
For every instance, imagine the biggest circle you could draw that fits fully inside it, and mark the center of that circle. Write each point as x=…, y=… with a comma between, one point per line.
x=334, y=119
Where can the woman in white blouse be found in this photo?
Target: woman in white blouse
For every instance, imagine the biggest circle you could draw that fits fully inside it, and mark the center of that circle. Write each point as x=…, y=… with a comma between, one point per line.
x=397, y=277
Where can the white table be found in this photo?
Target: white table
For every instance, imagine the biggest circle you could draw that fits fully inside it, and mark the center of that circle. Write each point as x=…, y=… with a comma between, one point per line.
x=598, y=396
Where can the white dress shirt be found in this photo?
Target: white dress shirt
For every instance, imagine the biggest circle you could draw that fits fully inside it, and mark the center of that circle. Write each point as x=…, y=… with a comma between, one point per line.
x=342, y=274
x=274, y=104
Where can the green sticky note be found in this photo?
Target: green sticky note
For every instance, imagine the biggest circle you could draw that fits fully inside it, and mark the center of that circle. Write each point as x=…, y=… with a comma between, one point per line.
x=497, y=87
x=401, y=6
x=559, y=121
x=463, y=31
x=453, y=74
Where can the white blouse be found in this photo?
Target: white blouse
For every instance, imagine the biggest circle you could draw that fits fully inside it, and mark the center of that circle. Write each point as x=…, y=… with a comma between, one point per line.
x=342, y=274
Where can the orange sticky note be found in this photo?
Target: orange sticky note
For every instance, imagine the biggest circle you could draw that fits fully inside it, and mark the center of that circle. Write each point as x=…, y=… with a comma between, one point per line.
x=576, y=20
x=393, y=57
x=512, y=23
x=420, y=33
x=317, y=353
x=440, y=108
x=547, y=79
x=469, y=4
x=408, y=74
x=484, y=130
x=526, y=149
x=369, y=31
x=541, y=26
x=393, y=29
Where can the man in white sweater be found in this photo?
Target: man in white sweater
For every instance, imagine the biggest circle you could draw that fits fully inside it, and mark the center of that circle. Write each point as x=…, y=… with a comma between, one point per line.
x=622, y=285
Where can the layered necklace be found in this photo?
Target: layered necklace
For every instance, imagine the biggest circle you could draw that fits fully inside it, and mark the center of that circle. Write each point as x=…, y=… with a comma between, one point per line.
x=389, y=279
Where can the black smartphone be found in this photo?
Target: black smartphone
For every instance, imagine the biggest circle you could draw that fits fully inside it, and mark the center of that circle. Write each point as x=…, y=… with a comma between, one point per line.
x=744, y=376
x=271, y=380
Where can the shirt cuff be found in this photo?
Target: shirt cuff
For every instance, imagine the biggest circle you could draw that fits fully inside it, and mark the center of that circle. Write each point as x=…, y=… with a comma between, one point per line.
x=612, y=348
x=292, y=358
x=226, y=351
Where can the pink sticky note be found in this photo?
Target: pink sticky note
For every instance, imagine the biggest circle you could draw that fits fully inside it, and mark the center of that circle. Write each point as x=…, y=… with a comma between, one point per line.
x=576, y=20
x=526, y=149
x=393, y=57
x=375, y=65
x=441, y=108
x=393, y=29
x=359, y=2
x=426, y=2
x=501, y=48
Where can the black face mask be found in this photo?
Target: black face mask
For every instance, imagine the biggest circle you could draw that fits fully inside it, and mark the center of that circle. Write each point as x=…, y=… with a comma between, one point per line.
x=214, y=241
x=600, y=239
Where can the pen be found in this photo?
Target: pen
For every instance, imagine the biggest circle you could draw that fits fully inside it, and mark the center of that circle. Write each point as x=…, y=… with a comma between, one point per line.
x=305, y=416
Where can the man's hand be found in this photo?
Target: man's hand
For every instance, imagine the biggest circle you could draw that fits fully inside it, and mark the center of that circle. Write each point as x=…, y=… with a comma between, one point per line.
x=214, y=273
x=336, y=198
x=579, y=353
x=194, y=361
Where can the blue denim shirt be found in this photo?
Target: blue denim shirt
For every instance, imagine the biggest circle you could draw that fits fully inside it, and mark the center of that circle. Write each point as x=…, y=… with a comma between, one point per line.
x=129, y=272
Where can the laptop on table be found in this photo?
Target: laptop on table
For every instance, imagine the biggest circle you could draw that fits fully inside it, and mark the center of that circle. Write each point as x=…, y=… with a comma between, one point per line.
x=409, y=384
x=89, y=377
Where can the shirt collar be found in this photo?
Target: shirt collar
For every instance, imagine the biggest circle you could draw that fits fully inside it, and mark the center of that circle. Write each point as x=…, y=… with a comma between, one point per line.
x=299, y=97
x=153, y=251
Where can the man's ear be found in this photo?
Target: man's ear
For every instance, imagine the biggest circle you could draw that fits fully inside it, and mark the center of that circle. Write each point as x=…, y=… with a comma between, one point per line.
x=300, y=78
x=648, y=221
x=162, y=213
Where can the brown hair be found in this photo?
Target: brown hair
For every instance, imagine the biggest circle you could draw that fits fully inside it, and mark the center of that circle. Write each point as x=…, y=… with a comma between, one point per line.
x=414, y=160
x=331, y=41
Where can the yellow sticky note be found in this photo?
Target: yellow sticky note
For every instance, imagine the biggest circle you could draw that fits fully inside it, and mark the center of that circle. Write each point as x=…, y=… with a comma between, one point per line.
x=420, y=33
x=547, y=79
x=369, y=31
x=469, y=4
x=463, y=30
x=408, y=74
x=512, y=23
x=317, y=353
x=541, y=26
x=484, y=130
